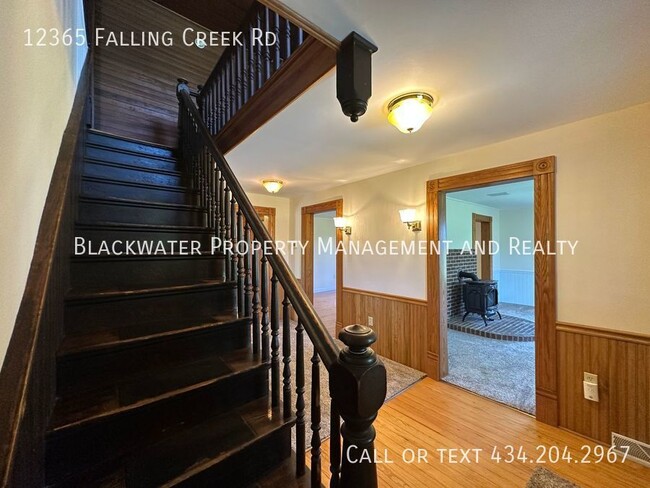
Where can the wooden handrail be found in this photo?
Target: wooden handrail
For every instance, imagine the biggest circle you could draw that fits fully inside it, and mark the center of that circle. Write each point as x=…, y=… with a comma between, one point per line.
x=323, y=342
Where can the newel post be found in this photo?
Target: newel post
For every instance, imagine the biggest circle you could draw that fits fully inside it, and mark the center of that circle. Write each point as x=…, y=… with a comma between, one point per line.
x=358, y=387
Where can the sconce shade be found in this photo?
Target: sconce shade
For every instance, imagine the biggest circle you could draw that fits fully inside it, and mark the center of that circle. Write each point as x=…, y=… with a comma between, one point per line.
x=340, y=222
x=408, y=112
x=407, y=215
x=272, y=186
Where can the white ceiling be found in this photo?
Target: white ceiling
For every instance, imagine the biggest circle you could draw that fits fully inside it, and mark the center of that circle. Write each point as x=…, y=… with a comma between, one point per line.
x=502, y=69
x=517, y=195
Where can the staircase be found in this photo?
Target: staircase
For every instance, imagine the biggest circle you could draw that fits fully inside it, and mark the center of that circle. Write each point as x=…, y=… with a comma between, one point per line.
x=157, y=382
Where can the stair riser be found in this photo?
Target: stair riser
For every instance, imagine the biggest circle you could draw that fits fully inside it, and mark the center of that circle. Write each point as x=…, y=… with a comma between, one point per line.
x=132, y=174
x=92, y=369
x=125, y=311
x=109, y=438
x=116, y=272
x=140, y=148
x=241, y=469
x=103, y=189
x=135, y=214
x=95, y=235
x=133, y=159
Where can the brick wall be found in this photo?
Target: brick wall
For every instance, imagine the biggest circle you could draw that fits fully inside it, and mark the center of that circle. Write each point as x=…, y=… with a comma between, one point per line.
x=457, y=260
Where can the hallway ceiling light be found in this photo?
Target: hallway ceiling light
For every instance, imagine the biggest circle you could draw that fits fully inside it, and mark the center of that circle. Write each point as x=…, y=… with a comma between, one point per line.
x=342, y=223
x=408, y=217
x=409, y=111
x=272, y=186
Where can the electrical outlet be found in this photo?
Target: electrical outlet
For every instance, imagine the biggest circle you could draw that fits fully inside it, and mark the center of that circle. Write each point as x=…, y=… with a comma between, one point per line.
x=590, y=391
x=590, y=378
x=371, y=321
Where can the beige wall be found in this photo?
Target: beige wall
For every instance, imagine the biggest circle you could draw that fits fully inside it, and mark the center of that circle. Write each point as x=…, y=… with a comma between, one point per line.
x=603, y=182
x=282, y=207
x=39, y=85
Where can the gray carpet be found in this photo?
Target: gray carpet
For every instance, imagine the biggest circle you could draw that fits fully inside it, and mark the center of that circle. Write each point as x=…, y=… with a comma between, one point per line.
x=399, y=378
x=501, y=370
x=543, y=478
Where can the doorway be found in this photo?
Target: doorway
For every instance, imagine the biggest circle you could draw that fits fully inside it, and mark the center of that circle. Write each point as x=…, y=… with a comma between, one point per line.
x=322, y=275
x=490, y=293
x=542, y=172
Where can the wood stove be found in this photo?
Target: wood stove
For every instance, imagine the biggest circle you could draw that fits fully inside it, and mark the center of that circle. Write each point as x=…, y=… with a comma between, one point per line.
x=479, y=296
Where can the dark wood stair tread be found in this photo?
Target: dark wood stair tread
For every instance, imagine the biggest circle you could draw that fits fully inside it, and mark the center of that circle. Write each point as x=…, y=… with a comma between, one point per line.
x=142, y=226
x=104, y=338
x=132, y=167
x=199, y=447
x=110, y=135
x=147, y=387
x=116, y=181
x=140, y=203
x=95, y=294
x=284, y=476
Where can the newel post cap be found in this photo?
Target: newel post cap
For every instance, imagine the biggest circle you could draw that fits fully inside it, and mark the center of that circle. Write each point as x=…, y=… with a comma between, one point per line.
x=182, y=85
x=358, y=379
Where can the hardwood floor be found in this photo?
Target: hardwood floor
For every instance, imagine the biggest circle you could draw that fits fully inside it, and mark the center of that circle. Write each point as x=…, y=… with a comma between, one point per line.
x=433, y=415
x=325, y=303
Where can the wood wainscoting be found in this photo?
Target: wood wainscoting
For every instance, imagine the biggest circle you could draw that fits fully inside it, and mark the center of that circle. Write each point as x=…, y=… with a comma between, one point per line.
x=400, y=323
x=622, y=362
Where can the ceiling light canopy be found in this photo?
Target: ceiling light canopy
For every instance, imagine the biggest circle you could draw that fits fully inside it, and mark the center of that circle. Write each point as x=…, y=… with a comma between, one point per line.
x=409, y=111
x=272, y=186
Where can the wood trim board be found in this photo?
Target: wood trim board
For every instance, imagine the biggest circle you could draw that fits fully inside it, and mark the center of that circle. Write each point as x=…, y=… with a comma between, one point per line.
x=542, y=171
x=307, y=236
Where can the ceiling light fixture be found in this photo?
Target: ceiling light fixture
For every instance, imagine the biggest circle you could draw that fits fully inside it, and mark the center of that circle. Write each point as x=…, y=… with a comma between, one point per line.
x=272, y=186
x=409, y=111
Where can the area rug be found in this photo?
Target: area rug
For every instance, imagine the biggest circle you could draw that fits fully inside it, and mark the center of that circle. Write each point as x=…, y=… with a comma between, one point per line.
x=501, y=370
x=543, y=478
x=399, y=378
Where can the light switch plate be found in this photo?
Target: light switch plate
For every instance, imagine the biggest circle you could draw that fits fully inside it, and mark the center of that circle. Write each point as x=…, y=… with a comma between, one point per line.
x=371, y=321
x=590, y=391
x=590, y=378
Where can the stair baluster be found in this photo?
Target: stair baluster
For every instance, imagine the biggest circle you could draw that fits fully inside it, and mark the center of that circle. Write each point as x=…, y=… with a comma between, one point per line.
x=233, y=237
x=275, y=342
x=277, y=46
x=259, y=51
x=267, y=49
x=286, y=356
x=233, y=84
x=241, y=272
x=221, y=210
x=335, y=445
x=264, y=291
x=287, y=38
x=300, y=400
x=256, y=302
x=315, y=466
x=227, y=230
x=248, y=282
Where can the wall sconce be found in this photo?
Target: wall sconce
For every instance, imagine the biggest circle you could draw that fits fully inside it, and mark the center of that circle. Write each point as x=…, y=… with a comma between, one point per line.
x=342, y=223
x=408, y=217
